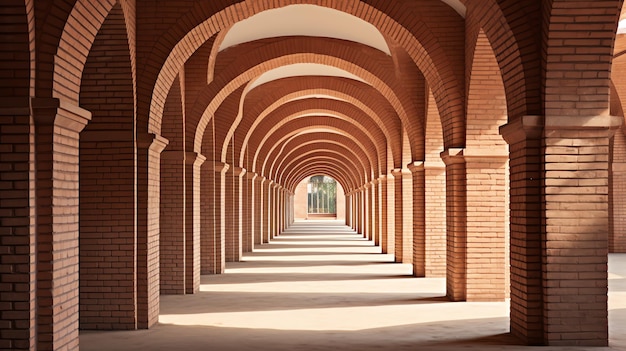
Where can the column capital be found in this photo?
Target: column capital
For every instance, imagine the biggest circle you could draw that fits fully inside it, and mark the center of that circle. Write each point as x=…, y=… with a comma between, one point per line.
x=238, y=171
x=154, y=142
x=416, y=166
x=453, y=156
x=533, y=127
x=525, y=127
x=220, y=167
x=60, y=113
x=251, y=175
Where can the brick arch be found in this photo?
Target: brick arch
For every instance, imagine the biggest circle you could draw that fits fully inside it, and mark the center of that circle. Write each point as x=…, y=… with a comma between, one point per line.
x=290, y=112
x=374, y=67
x=74, y=46
x=316, y=145
x=486, y=100
x=316, y=169
x=570, y=73
x=277, y=158
x=180, y=43
x=278, y=133
x=516, y=49
x=324, y=165
x=107, y=208
x=336, y=154
x=271, y=95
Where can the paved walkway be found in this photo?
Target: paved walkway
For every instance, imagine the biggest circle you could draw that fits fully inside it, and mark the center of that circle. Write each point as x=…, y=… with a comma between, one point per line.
x=320, y=286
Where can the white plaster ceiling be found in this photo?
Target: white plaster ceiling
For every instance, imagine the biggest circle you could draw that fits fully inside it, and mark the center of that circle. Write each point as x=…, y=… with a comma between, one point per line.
x=302, y=69
x=305, y=20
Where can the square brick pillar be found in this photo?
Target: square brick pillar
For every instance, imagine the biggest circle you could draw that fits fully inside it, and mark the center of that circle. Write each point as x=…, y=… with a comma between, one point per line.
x=419, y=218
x=369, y=210
x=18, y=272
x=57, y=128
x=357, y=211
x=435, y=222
x=403, y=215
x=265, y=201
x=193, y=186
x=257, y=210
x=476, y=224
x=373, y=211
x=212, y=241
x=172, y=223
x=382, y=204
x=390, y=205
x=559, y=228
x=376, y=210
x=247, y=213
x=233, y=211
x=617, y=200
x=348, y=210
x=149, y=148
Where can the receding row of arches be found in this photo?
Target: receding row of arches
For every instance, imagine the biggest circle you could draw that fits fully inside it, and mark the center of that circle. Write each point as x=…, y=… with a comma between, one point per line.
x=145, y=146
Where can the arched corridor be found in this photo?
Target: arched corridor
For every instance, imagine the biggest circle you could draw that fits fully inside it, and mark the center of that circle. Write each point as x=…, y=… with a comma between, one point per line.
x=151, y=151
x=321, y=285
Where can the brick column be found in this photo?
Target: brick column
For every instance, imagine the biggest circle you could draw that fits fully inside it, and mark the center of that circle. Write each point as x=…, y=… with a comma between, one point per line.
x=212, y=241
x=617, y=206
x=57, y=128
x=257, y=210
x=391, y=214
x=369, y=213
x=149, y=148
x=403, y=216
x=383, y=204
x=247, y=212
x=193, y=163
x=233, y=212
x=435, y=222
x=265, y=189
x=18, y=272
x=559, y=249
x=456, y=212
x=172, y=223
x=348, y=210
x=419, y=218
x=374, y=212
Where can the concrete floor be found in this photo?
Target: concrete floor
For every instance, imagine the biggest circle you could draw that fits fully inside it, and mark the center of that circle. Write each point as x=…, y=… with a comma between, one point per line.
x=320, y=286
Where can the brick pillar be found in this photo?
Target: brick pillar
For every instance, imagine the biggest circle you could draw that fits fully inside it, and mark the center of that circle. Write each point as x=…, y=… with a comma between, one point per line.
x=391, y=214
x=456, y=237
x=617, y=200
x=18, y=272
x=348, y=214
x=172, y=223
x=212, y=241
x=57, y=128
x=193, y=170
x=374, y=212
x=403, y=216
x=419, y=218
x=382, y=201
x=233, y=222
x=257, y=210
x=149, y=148
x=273, y=209
x=247, y=213
x=369, y=211
x=265, y=234
x=559, y=250
x=435, y=222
